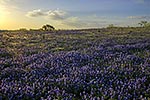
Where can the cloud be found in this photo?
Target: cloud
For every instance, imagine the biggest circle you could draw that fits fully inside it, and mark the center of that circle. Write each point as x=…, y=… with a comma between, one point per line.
x=56, y=14
x=36, y=13
x=52, y=14
x=73, y=21
x=62, y=18
x=7, y=6
x=76, y=22
x=4, y=1
x=138, y=17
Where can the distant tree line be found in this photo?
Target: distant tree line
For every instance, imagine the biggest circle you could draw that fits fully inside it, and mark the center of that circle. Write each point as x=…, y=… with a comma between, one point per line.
x=46, y=27
x=144, y=24
x=3, y=30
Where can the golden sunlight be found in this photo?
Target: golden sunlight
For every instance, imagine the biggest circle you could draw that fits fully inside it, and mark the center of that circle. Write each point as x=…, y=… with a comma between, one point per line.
x=2, y=16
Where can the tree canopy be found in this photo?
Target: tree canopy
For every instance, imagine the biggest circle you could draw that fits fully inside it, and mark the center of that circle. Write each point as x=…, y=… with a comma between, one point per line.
x=48, y=27
x=144, y=24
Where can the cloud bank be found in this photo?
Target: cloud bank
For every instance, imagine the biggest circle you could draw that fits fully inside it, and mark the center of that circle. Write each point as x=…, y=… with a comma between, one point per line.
x=139, y=17
x=52, y=14
x=61, y=18
x=36, y=13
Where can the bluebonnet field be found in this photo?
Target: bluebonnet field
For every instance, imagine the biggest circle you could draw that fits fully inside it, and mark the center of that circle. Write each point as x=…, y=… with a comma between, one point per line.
x=91, y=64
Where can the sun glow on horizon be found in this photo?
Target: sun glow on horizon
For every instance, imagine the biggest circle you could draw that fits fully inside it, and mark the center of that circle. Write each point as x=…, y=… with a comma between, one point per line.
x=15, y=14
x=1, y=17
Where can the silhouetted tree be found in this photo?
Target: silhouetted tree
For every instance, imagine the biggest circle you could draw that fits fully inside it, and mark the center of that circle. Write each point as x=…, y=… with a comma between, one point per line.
x=48, y=27
x=143, y=23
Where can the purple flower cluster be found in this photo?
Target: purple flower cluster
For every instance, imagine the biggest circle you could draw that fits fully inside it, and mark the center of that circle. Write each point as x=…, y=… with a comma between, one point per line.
x=104, y=72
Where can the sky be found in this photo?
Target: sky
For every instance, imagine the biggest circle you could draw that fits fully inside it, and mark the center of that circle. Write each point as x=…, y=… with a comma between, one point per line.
x=72, y=14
